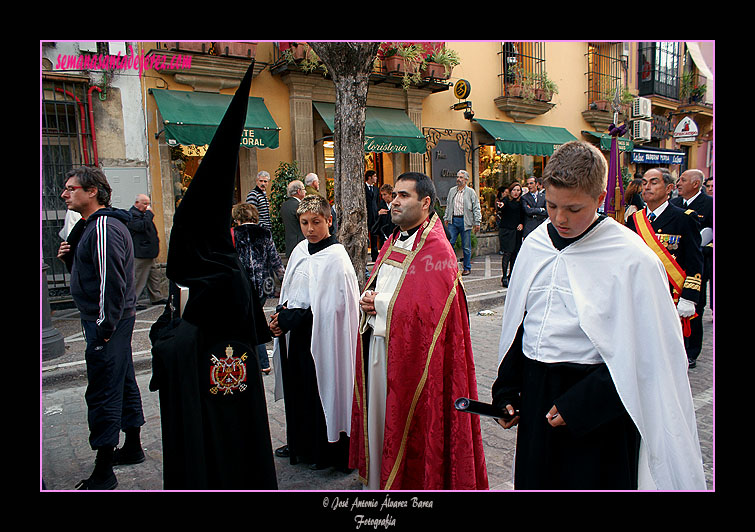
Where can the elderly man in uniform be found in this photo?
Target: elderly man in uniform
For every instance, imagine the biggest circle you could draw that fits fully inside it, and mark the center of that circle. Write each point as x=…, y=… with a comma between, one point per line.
x=675, y=236
x=692, y=196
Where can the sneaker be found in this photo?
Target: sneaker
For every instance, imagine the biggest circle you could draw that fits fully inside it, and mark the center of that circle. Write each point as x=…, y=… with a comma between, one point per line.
x=108, y=483
x=121, y=457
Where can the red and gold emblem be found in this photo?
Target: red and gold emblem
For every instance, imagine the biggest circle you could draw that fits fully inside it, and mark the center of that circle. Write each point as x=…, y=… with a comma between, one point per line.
x=228, y=374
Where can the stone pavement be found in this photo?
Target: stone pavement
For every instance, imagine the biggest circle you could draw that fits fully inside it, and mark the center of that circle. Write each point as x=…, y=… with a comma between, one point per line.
x=67, y=458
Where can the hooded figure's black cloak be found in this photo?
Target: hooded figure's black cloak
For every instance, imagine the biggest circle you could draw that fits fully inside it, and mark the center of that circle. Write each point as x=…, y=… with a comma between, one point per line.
x=212, y=401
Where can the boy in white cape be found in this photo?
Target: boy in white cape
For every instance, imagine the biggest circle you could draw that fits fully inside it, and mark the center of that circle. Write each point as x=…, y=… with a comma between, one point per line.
x=315, y=327
x=591, y=355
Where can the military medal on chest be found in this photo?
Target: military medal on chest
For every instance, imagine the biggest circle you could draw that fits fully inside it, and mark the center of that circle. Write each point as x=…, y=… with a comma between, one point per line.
x=228, y=374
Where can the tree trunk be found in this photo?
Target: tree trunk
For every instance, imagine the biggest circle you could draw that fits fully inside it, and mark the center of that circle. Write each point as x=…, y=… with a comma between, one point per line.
x=350, y=65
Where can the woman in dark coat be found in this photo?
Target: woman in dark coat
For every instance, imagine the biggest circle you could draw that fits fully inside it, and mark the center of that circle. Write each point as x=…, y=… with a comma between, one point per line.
x=511, y=222
x=257, y=253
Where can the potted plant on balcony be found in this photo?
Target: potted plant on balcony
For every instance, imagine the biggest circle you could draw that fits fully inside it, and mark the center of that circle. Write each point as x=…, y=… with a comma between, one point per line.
x=689, y=89
x=515, y=87
x=404, y=59
x=698, y=93
x=296, y=51
x=601, y=101
x=392, y=61
x=439, y=63
x=237, y=49
x=546, y=87
x=625, y=98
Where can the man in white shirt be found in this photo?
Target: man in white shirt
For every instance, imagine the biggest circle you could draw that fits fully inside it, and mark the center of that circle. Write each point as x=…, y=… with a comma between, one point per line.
x=463, y=214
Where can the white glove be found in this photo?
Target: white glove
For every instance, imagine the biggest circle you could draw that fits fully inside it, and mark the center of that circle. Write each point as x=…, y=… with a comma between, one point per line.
x=685, y=308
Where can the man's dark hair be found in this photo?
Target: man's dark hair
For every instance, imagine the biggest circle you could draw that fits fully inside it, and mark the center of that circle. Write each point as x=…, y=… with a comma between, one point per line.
x=91, y=177
x=369, y=173
x=422, y=184
x=668, y=179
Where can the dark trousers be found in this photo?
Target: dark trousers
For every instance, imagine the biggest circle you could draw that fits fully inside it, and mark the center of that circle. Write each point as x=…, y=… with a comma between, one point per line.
x=112, y=395
x=374, y=246
x=693, y=344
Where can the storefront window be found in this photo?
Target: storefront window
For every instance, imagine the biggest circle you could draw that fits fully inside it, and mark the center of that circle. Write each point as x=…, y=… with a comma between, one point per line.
x=183, y=166
x=497, y=172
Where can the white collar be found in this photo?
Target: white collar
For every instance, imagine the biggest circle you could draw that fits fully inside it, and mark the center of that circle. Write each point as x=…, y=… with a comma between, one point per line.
x=693, y=198
x=659, y=210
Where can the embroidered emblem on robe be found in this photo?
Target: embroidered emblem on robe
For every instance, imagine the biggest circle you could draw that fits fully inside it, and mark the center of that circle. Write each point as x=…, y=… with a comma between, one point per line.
x=228, y=374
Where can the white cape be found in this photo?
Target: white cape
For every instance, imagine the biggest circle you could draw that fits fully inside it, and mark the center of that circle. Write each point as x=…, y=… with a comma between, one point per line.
x=624, y=307
x=326, y=283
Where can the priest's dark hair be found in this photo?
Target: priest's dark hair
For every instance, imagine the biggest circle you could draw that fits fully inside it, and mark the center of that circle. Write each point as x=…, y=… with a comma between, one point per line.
x=92, y=177
x=422, y=184
x=577, y=164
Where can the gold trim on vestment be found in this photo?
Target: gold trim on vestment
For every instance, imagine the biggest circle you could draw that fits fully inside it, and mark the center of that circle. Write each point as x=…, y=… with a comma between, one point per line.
x=421, y=384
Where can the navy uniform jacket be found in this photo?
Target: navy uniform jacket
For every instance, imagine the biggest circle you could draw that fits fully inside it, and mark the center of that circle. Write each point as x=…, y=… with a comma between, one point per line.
x=679, y=232
x=703, y=207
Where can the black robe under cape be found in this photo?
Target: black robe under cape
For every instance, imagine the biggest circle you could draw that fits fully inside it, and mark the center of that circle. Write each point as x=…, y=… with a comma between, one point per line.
x=214, y=437
x=306, y=430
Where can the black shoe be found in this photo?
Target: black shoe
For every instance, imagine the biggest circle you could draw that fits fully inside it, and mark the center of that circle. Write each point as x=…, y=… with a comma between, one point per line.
x=125, y=457
x=107, y=483
x=282, y=452
x=504, y=282
x=691, y=363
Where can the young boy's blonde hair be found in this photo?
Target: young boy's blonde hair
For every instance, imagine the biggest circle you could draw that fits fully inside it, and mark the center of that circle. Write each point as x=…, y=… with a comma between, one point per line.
x=577, y=164
x=314, y=203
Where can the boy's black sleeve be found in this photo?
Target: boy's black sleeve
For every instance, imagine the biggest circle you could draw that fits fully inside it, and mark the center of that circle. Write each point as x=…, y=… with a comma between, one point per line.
x=507, y=387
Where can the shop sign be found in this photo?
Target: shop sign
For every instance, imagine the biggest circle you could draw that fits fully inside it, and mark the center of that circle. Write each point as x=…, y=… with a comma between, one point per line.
x=447, y=159
x=381, y=144
x=462, y=89
x=686, y=130
x=657, y=157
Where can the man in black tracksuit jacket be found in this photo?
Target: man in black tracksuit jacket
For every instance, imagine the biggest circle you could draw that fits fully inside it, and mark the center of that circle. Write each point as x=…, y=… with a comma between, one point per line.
x=99, y=254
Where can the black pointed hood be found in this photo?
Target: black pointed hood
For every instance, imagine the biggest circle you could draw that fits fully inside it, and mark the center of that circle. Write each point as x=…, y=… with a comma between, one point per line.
x=201, y=255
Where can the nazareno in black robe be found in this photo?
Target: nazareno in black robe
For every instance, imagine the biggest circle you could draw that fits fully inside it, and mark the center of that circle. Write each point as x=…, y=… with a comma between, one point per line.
x=598, y=449
x=306, y=430
x=212, y=402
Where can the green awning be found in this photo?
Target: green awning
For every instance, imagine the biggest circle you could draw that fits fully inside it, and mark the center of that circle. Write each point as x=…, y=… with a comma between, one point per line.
x=192, y=118
x=624, y=143
x=385, y=130
x=525, y=139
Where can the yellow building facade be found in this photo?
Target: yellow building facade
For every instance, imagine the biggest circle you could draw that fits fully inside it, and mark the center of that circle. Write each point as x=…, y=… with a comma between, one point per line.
x=498, y=136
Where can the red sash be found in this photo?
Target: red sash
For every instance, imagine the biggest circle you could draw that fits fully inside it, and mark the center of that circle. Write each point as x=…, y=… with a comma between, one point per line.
x=675, y=273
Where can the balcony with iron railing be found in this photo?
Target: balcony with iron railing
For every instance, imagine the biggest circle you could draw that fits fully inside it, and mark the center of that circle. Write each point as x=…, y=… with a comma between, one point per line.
x=526, y=90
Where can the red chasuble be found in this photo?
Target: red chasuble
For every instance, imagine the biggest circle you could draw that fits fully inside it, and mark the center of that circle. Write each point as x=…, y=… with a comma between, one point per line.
x=428, y=444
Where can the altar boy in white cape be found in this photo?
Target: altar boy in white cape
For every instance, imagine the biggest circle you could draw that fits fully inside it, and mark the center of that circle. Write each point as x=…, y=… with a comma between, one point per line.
x=591, y=352
x=315, y=327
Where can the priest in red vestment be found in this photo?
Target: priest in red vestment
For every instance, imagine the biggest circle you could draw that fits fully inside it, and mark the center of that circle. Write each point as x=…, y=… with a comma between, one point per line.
x=414, y=359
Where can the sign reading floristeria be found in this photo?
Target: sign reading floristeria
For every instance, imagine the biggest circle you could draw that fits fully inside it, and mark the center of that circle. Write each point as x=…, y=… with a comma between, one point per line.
x=377, y=144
